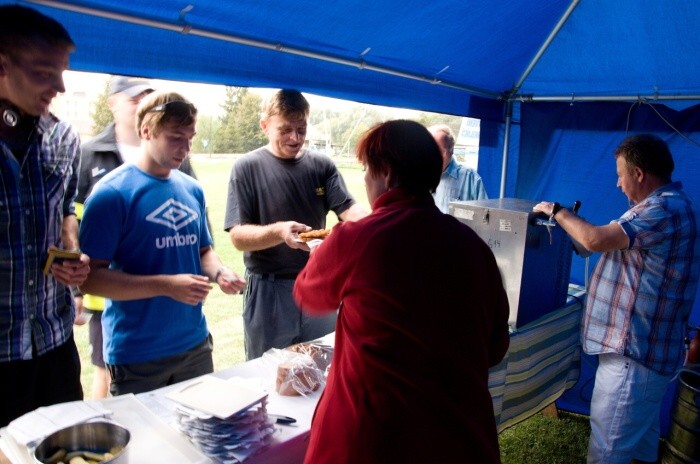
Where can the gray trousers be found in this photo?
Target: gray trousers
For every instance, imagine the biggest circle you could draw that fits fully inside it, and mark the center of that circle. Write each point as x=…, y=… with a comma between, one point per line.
x=147, y=376
x=271, y=318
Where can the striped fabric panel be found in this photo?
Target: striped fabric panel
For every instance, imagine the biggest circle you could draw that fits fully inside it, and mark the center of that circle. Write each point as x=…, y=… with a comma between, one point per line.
x=542, y=362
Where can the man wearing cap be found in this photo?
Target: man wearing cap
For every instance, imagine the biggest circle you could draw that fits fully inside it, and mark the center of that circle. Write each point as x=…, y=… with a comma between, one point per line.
x=117, y=144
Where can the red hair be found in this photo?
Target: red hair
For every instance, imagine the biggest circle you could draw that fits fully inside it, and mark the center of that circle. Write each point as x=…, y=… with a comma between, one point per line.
x=407, y=149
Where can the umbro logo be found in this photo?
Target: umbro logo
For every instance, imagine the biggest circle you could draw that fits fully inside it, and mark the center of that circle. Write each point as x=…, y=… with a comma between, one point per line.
x=173, y=214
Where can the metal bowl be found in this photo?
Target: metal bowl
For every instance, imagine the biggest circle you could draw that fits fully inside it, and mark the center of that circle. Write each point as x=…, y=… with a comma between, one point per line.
x=96, y=437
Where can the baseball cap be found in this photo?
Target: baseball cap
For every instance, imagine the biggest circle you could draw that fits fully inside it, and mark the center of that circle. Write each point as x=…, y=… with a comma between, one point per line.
x=131, y=86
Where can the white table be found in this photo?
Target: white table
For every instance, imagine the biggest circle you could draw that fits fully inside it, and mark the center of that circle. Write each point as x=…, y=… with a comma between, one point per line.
x=541, y=363
x=289, y=441
x=154, y=436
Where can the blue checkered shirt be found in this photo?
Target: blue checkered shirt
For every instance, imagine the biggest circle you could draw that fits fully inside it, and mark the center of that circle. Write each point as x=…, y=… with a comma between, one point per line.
x=458, y=182
x=640, y=298
x=34, y=198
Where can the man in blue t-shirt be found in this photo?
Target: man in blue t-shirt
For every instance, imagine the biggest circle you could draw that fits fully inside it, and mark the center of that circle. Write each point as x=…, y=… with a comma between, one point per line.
x=145, y=225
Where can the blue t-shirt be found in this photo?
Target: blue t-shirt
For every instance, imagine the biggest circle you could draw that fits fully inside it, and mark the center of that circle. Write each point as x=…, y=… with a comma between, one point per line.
x=145, y=225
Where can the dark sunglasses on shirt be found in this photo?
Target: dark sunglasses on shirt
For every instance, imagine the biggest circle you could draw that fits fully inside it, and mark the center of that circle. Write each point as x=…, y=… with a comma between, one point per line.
x=174, y=107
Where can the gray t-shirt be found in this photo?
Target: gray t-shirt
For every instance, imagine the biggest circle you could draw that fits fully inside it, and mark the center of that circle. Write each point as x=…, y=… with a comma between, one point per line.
x=264, y=189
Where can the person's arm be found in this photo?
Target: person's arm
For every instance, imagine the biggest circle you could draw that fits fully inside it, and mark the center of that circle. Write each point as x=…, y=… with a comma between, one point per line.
x=318, y=287
x=69, y=227
x=594, y=238
x=353, y=213
x=480, y=189
x=117, y=285
x=254, y=237
x=80, y=316
x=69, y=232
x=212, y=267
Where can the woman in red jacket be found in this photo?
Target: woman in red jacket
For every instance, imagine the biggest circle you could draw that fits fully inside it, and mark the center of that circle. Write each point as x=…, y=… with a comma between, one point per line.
x=423, y=315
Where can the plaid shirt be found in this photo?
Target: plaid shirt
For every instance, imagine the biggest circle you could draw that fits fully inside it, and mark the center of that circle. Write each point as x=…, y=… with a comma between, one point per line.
x=640, y=298
x=34, y=198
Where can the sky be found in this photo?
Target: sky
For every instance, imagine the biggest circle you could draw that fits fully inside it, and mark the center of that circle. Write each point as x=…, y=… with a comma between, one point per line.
x=206, y=97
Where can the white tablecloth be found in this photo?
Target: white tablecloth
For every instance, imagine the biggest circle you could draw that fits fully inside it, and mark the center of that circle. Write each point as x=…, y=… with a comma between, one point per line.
x=542, y=362
x=155, y=439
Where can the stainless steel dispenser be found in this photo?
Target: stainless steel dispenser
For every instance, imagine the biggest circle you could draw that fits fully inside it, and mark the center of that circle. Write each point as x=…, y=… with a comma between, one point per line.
x=533, y=255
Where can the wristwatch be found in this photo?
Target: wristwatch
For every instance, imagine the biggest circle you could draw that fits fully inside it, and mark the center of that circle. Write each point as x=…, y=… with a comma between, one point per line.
x=555, y=209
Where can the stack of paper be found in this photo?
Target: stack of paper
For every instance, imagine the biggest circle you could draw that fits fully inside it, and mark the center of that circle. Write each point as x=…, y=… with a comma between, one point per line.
x=226, y=421
x=32, y=427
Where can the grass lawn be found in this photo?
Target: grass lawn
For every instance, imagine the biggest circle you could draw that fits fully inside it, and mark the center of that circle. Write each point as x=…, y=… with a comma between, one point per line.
x=538, y=440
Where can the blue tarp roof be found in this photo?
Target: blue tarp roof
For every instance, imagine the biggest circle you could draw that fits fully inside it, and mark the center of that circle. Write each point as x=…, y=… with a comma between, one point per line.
x=434, y=56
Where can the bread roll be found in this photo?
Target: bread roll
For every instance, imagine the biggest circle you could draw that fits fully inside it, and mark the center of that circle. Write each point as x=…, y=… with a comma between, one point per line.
x=320, y=354
x=314, y=234
x=296, y=378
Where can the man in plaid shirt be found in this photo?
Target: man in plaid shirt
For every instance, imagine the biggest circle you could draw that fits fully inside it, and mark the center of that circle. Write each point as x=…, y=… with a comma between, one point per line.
x=39, y=362
x=639, y=302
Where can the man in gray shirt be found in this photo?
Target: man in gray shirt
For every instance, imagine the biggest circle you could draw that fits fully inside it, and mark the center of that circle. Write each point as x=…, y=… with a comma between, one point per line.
x=274, y=193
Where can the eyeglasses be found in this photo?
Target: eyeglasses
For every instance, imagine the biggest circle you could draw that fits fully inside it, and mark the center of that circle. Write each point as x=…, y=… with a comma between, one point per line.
x=177, y=106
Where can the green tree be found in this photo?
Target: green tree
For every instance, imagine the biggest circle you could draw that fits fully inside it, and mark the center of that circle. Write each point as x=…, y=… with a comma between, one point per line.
x=345, y=127
x=207, y=128
x=239, y=130
x=351, y=126
x=223, y=139
x=101, y=114
x=248, y=133
x=429, y=119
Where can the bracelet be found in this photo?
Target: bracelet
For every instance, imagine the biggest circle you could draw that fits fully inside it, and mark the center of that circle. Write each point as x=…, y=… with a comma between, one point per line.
x=218, y=273
x=555, y=209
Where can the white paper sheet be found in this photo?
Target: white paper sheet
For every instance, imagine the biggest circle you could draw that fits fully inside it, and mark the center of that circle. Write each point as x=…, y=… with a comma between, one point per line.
x=215, y=396
x=30, y=428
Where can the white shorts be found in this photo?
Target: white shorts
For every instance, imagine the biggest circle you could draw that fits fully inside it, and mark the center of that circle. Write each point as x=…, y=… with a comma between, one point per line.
x=625, y=409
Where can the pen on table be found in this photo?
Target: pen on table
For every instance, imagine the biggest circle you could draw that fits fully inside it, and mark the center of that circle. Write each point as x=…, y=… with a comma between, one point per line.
x=286, y=420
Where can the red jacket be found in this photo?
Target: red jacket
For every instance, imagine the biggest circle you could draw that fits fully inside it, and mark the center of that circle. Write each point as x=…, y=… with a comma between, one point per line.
x=423, y=315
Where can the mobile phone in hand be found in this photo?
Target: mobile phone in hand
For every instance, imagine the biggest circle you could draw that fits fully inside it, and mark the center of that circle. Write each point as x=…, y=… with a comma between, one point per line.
x=58, y=255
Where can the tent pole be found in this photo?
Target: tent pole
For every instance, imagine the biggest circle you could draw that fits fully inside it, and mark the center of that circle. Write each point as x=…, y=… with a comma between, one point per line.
x=545, y=45
x=602, y=98
x=506, y=143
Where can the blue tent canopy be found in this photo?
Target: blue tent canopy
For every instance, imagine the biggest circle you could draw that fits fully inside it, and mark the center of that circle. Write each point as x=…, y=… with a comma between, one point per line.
x=459, y=57
x=557, y=83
